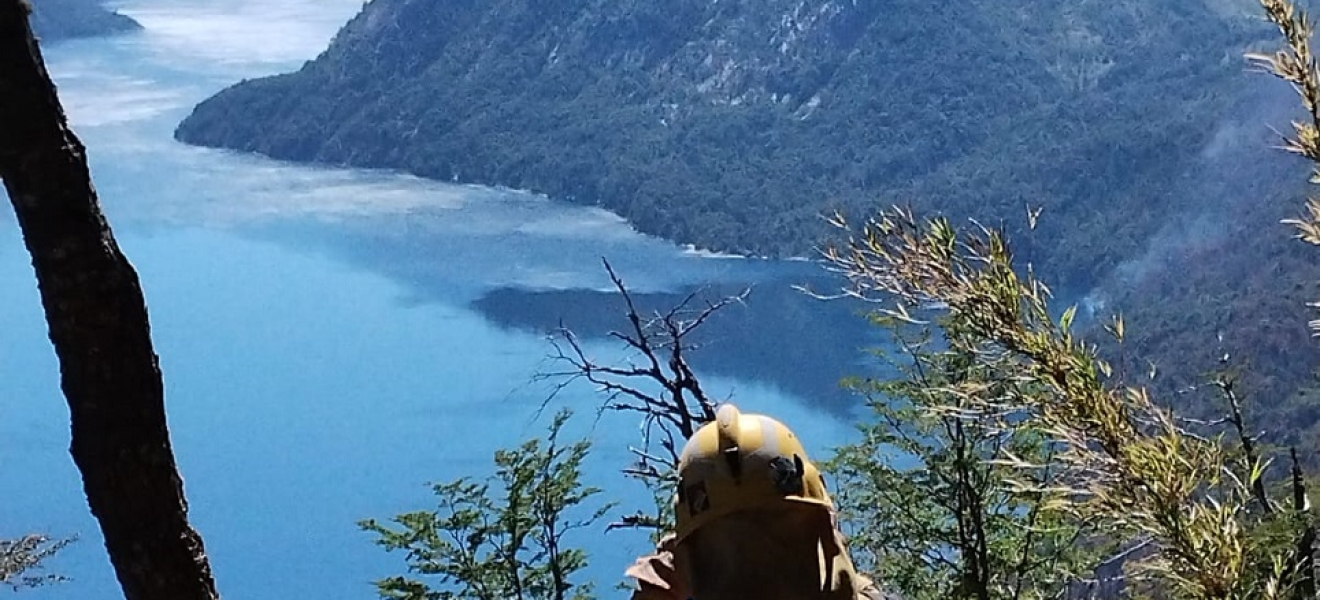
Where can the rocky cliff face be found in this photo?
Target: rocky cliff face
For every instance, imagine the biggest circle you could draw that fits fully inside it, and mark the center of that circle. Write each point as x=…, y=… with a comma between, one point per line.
x=62, y=19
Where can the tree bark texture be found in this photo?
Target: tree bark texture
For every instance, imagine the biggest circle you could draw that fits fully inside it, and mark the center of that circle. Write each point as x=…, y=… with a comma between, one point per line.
x=98, y=325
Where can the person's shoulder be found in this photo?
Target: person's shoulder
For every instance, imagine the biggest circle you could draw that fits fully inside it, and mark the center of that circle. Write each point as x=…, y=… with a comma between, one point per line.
x=866, y=589
x=656, y=576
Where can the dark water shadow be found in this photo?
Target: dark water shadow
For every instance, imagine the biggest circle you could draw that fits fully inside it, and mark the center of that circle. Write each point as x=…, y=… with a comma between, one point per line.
x=778, y=336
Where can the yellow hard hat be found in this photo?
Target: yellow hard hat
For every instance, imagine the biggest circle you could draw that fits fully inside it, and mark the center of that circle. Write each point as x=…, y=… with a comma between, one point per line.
x=739, y=462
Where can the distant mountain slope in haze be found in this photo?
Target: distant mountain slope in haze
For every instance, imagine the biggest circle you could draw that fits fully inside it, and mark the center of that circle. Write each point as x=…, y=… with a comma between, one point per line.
x=734, y=125
x=731, y=125
x=62, y=19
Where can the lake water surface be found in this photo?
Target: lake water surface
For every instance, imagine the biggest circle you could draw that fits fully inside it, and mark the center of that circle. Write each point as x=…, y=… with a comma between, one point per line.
x=334, y=339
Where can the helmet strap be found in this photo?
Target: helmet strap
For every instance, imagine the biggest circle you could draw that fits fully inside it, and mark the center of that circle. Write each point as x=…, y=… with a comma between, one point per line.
x=734, y=460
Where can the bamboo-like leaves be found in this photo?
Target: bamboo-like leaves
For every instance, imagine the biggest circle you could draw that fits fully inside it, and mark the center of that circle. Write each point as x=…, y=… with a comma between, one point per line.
x=1124, y=461
x=1297, y=65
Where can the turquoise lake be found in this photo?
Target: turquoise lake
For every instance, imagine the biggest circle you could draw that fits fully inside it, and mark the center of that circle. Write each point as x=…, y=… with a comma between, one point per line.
x=332, y=340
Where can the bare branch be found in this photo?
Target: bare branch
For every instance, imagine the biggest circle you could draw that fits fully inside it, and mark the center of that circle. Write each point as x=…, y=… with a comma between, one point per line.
x=1226, y=384
x=637, y=521
x=657, y=381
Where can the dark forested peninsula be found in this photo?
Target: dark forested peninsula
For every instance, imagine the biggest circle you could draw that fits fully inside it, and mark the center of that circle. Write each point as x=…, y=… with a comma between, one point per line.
x=1134, y=124
x=54, y=20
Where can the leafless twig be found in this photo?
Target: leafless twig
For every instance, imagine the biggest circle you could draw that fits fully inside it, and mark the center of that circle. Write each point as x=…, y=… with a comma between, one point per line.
x=656, y=381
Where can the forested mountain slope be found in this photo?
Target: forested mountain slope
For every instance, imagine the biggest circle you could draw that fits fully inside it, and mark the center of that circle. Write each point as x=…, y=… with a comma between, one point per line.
x=61, y=19
x=734, y=124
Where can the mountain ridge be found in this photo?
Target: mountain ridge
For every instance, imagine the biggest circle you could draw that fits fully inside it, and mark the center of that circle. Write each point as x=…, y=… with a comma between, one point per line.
x=54, y=20
x=735, y=126
x=761, y=108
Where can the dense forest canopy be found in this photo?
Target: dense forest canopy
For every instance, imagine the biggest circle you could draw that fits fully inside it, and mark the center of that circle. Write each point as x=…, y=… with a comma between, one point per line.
x=1134, y=124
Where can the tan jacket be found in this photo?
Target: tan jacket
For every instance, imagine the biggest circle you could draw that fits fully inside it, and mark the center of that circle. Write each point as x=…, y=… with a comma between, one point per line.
x=669, y=575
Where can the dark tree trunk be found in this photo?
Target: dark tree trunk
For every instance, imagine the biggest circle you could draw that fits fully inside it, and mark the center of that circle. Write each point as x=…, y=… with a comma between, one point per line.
x=98, y=325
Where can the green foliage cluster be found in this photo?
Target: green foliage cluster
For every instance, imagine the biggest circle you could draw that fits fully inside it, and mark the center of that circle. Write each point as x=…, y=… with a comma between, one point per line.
x=503, y=542
x=1125, y=463
x=926, y=494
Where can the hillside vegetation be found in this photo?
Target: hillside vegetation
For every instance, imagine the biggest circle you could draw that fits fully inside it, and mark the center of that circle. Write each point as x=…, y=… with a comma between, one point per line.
x=731, y=125
x=1134, y=124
